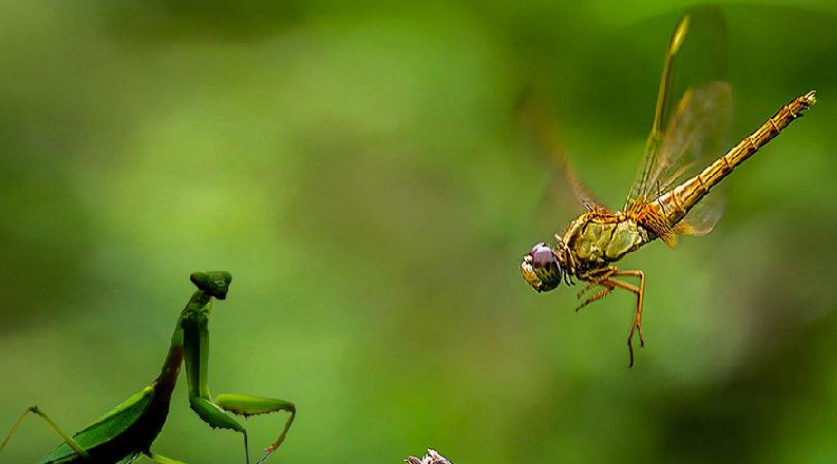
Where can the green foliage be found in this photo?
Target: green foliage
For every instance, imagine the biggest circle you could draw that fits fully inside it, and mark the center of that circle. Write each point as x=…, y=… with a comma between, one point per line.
x=360, y=168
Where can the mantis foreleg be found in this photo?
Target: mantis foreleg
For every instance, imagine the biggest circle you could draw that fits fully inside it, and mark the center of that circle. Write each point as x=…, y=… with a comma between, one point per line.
x=246, y=405
x=195, y=322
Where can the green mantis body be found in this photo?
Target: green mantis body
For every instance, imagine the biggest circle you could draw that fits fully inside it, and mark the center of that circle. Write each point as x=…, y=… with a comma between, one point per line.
x=128, y=431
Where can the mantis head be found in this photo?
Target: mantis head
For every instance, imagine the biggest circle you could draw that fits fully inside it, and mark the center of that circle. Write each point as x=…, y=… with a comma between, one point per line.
x=214, y=283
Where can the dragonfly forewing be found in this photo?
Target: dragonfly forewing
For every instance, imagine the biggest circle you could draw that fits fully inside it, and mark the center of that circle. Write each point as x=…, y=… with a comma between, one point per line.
x=693, y=110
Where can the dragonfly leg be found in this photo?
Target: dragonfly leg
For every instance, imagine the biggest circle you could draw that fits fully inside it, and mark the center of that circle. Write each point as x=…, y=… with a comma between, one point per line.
x=604, y=277
x=596, y=277
x=636, y=327
x=67, y=439
x=598, y=296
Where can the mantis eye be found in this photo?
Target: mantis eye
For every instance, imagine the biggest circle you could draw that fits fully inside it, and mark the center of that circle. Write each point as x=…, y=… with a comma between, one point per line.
x=541, y=269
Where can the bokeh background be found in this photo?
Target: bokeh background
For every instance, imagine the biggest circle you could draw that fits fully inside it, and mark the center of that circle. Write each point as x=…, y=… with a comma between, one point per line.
x=361, y=170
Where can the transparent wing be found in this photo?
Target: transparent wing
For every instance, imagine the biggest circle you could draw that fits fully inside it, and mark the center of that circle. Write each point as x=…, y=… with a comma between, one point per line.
x=549, y=143
x=703, y=217
x=692, y=115
x=693, y=138
x=652, y=145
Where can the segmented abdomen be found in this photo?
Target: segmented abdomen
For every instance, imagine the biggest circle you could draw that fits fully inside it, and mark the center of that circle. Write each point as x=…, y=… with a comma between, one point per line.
x=676, y=203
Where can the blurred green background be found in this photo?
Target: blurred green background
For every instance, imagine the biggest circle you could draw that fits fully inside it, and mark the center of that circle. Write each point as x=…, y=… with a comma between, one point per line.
x=360, y=169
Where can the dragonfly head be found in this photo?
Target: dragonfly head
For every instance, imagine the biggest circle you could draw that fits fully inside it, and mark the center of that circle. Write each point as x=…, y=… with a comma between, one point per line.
x=541, y=268
x=215, y=283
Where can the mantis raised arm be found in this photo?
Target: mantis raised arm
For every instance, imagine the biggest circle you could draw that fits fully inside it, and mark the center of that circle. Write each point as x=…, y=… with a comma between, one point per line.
x=195, y=324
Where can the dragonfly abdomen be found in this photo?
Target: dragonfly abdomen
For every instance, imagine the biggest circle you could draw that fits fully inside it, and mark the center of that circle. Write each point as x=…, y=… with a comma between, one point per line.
x=677, y=202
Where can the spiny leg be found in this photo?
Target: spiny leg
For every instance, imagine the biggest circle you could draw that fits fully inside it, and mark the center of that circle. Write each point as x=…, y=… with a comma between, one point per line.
x=610, y=285
x=214, y=415
x=598, y=296
x=640, y=293
x=604, y=278
x=596, y=277
x=247, y=405
x=67, y=439
x=195, y=324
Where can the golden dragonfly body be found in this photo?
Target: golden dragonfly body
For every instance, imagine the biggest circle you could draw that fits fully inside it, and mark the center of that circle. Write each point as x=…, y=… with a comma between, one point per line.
x=657, y=207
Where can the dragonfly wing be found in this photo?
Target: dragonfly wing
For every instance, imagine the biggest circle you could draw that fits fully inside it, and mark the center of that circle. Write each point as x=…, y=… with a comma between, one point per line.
x=703, y=217
x=549, y=143
x=660, y=111
x=693, y=138
x=693, y=109
x=552, y=147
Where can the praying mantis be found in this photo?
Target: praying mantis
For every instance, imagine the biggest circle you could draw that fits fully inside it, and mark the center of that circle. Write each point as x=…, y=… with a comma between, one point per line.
x=127, y=432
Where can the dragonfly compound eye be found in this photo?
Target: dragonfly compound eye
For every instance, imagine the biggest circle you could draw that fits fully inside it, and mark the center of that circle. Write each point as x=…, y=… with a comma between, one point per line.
x=541, y=269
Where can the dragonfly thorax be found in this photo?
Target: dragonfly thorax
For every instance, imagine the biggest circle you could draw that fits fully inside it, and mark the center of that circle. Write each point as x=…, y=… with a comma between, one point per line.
x=598, y=239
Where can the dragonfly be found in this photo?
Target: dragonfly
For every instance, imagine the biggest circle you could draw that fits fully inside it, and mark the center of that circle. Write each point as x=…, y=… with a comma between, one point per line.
x=667, y=199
